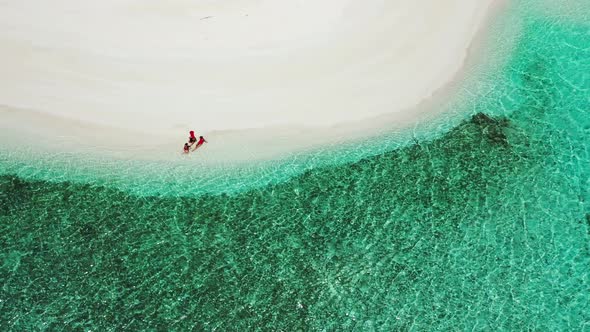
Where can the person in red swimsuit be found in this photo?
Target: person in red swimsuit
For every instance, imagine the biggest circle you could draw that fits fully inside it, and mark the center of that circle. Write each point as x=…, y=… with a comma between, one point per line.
x=200, y=142
x=186, y=147
x=192, y=139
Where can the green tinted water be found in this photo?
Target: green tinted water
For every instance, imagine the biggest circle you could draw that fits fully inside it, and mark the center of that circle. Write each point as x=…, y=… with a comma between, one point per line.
x=486, y=227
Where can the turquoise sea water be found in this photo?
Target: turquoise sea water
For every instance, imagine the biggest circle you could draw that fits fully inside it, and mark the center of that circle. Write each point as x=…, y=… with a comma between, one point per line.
x=485, y=226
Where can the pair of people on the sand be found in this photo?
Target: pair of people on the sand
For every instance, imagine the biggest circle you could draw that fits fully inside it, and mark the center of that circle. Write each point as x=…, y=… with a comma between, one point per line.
x=192, y=140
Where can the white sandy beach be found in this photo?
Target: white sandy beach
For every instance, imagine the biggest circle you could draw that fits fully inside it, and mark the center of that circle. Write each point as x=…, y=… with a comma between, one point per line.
x=246, y=74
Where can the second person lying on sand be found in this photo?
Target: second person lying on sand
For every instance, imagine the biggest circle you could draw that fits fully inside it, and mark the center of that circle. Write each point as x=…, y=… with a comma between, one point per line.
x=200, y=142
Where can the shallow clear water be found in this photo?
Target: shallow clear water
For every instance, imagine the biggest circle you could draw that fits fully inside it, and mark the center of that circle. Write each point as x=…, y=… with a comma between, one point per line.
x=484, y=227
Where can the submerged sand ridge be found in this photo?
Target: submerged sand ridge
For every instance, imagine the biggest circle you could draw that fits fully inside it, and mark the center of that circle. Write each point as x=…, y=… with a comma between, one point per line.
x=216, y=66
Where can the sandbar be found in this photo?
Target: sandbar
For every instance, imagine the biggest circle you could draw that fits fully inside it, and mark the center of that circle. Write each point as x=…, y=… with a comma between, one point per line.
x=257, y=78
